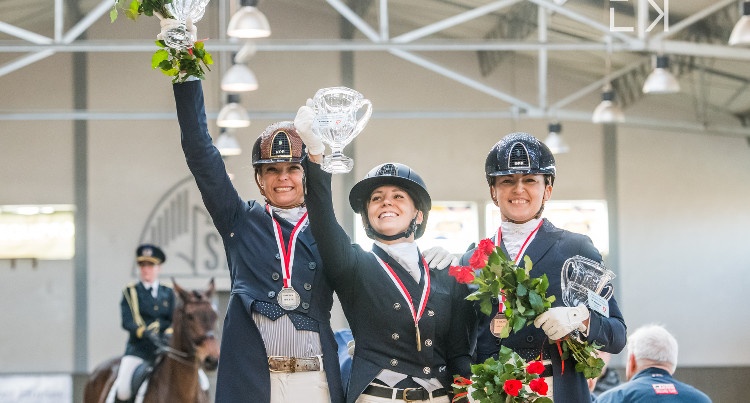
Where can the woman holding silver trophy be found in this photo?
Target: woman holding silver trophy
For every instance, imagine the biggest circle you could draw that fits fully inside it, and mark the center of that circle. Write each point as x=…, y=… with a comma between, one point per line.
x=520, y=171
x=412, y=325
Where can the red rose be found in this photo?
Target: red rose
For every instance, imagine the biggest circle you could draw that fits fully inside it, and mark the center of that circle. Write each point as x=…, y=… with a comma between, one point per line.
x=539, y=385
x=463, y=274
x=535, y=367
x=513, y=386
x=461, y=381
x=478, y=259
x=486, y=246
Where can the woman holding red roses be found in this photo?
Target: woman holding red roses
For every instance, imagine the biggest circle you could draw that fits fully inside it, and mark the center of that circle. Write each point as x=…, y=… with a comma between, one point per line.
x=520, y=172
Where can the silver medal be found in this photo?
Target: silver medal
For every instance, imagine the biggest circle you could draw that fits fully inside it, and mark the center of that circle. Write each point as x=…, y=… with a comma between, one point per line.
x=288, y=298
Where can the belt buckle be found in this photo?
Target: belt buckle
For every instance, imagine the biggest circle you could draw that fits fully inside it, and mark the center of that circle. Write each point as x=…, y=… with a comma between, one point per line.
x=290, y=360
x=405, y=398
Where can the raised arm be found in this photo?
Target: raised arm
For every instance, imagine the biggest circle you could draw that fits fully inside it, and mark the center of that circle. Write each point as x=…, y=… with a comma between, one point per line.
x=203, y=159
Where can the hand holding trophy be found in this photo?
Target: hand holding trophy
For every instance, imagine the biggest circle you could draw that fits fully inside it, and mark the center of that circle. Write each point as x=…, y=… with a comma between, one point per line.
x=181, y=55
x=337, y=122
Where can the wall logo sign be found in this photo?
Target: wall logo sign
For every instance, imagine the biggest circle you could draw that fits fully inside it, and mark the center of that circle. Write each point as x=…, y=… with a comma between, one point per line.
x=181, y=226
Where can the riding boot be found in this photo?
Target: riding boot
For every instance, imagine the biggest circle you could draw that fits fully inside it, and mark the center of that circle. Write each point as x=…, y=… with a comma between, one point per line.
x=117, y=400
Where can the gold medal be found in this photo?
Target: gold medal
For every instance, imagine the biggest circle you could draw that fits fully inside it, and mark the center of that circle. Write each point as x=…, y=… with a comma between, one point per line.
x=498, y=323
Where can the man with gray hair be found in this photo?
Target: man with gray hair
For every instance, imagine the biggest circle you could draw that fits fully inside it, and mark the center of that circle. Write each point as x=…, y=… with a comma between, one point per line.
x=652, y=359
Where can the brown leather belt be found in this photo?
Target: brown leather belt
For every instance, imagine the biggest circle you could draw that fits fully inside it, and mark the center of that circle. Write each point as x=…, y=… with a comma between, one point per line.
x=407, y=395
x=293, y=364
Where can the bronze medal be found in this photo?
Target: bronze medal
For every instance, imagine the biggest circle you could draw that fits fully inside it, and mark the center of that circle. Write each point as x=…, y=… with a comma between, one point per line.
x=498, y=323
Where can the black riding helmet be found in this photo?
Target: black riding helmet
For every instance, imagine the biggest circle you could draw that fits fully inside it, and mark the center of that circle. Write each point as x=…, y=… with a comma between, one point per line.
x=399, y=175
x=519, y=153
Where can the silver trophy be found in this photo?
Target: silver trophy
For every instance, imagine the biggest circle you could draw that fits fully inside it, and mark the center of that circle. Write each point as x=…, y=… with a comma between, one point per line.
x=178, y=36
x=581, y=278
x=341, y=114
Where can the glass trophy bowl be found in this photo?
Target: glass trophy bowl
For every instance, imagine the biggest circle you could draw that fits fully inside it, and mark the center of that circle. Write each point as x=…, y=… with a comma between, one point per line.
x=341, y=114
x=579, y=275
x=178, y=36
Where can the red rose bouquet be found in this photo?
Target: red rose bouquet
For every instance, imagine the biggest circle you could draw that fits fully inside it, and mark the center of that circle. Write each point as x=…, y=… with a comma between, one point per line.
x=508, y=379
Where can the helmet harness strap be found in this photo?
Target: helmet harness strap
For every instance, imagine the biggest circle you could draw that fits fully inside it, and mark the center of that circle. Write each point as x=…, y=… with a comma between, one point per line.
x=412, y=228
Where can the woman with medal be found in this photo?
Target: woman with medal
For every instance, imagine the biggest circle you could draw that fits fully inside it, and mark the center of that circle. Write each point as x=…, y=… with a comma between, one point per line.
x=411, y=324
x=520, y=172
x=277, y=343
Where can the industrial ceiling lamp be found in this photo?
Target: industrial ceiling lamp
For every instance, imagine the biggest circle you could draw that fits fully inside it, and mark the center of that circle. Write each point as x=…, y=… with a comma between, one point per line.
x=239, y=78
x=248, y=22
x=607, y=111
x=227, y=144
x=233, y=114
x=555, y=142
x=741, y=32
x=661, y=81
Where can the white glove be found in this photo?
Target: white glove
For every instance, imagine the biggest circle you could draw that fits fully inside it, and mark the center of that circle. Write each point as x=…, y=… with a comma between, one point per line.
x=559, y=322
x=303, y=123
x=439, y=258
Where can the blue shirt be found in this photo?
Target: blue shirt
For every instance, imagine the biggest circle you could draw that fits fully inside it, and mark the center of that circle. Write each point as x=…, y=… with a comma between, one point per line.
x=653, y=385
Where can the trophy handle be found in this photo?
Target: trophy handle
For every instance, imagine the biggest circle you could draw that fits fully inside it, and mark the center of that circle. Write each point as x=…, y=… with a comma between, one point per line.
x=363, y=120
x=610, y=290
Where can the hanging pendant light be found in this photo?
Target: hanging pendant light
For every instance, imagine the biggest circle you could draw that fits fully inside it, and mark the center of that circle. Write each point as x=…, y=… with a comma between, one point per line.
x=555, y=142
x=227, y=144
x=248, y=22
x=741, y=32
x=233, y=114
x=661, y=81
x=607, y=111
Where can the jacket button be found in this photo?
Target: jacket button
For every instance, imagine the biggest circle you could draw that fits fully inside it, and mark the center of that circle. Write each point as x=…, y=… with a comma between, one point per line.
x=396, y=306
x=307, y=286
x=394, y=362
x=430, y=312
x=497, y=341
x=278, y=257
x=231, y=234
x=395, y=336
x=529, y=339
x=305, y=305
x=428, y=342
x=426, y=370
x=275, y=276
x=311, y=265
x=271, y=294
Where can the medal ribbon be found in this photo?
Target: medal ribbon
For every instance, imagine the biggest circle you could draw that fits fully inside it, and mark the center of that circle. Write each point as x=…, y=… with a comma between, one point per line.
x=499, y=242
x=286, y=252
x=416, y=314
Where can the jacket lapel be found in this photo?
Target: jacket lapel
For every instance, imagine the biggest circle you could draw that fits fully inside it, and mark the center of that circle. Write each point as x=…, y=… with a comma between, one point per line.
x=547, y=235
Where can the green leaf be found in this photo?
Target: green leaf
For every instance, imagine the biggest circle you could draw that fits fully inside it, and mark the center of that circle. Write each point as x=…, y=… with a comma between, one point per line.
x=113, y=14
x=521, y=290
x=159, y=57
x=536, y=301
x=485, y=306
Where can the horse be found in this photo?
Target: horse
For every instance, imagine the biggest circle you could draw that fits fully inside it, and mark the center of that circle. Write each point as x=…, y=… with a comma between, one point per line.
x=175, y=377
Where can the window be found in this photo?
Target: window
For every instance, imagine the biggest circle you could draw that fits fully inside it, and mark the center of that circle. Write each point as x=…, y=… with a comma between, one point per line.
x=588, y=217
x=37, y=232
x=451, y=224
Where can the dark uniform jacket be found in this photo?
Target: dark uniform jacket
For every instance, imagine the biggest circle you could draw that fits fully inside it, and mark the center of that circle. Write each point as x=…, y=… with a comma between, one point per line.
x=254, y=267
x=139, y=309
x=378, y=314
x=548, y=251
x=653, y=385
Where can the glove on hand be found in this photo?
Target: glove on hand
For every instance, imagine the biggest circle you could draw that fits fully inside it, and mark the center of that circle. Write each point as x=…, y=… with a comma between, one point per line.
x=559, y=322
x=303, y=123
x=439, y=258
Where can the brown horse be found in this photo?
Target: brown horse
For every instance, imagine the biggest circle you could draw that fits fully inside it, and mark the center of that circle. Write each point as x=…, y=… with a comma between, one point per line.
x=193, y=346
